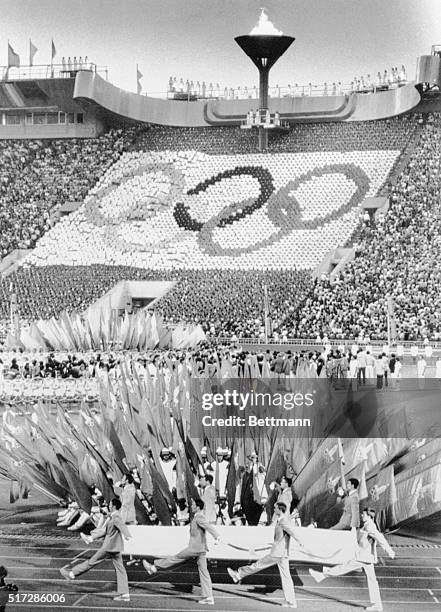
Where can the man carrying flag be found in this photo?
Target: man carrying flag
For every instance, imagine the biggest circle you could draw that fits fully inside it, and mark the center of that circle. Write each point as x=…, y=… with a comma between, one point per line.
x=279, y=554
x=197, y=548
x=350, y=519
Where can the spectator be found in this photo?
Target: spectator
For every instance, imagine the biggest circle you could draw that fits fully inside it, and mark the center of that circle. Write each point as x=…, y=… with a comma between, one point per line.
x=386, y=368
x=379, y=371
x=438, y=367
x=421, y=367
x=361, y=361
x=37, y=177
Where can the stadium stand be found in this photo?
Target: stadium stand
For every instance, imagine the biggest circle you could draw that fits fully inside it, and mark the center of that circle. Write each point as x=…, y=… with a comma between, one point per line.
x=232, y=303
x=398, y=255
x=179, y=207
x=301, y=138
x=38, y=176
x=166, y=207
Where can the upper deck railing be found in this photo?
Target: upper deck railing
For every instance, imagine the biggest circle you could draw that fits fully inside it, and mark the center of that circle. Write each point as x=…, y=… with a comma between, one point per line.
x=287, y=91
x=50, y=71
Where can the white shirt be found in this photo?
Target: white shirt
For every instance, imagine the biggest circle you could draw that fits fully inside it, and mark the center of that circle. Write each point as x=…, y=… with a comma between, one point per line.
x=223, y=473
x=421, y=367
x=379, y=367
x=169, y=472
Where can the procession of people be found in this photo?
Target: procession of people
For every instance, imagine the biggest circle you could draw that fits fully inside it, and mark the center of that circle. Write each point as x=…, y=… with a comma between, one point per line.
x=285, y=533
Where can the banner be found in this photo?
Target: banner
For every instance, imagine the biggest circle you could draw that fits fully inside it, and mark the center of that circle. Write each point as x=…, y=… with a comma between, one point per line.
x=139, y=76
x=32, y=51
x=244, y=543
x=13, y=58
x=99, y=330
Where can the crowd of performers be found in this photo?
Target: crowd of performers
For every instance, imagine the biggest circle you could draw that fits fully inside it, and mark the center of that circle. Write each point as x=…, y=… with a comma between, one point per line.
x=130, y=459
x=108, y=521
x=203, y=520
x=252, y=505
x=356, y=362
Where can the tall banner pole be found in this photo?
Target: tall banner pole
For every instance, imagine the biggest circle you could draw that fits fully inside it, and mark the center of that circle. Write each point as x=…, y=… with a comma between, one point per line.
x=266, y=313
x=342, y=461
x=388, y=314
x=388, y=329
x=14, y=316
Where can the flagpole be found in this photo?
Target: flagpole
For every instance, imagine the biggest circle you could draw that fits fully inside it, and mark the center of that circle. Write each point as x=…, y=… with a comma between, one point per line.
x=388, y=330
x=14, y=315
x=265, y=290
x=388, y=321
x=342, y=463
x=52, y=57
x=12, y=306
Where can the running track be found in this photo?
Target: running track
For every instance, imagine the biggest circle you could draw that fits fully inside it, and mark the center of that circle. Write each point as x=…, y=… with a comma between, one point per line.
x=33, y=549
x=412, y=582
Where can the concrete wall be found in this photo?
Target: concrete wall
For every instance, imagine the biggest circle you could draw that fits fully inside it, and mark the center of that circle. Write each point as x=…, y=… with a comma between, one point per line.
x=91, y=87
x=90, y=129
x=355, y=107
x=121, y=295
x=385, y=103
x=9, y=263
x=45, y=96
x=300, y=108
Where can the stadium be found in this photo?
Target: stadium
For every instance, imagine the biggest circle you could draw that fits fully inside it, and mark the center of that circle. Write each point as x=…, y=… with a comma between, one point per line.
x=168, y=260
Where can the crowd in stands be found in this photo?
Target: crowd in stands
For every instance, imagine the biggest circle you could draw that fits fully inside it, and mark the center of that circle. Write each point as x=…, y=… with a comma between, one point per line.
x=398, y=255
x=232, y=300
x=364, y=84
x=232, y=304
x=37, y=176
x=391, y=133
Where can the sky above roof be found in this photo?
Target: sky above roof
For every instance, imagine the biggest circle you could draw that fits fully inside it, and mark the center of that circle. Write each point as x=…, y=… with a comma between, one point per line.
x=194, y=39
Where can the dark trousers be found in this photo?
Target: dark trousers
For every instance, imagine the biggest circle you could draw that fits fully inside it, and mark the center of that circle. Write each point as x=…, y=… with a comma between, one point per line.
x=379, y=381
x=361, y=374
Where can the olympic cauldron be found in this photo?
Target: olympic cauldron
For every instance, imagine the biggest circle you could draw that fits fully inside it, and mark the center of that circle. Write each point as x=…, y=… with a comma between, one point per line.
x=264, y=46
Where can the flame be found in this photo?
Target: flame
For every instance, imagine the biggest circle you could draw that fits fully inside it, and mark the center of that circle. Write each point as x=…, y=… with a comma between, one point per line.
x=265, y=27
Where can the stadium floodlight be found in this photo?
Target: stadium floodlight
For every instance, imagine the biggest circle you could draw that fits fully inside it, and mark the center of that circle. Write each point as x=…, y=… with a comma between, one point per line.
x=264, y=46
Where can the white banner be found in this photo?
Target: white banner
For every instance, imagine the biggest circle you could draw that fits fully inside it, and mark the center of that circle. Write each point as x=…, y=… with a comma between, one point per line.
x=244, y=543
